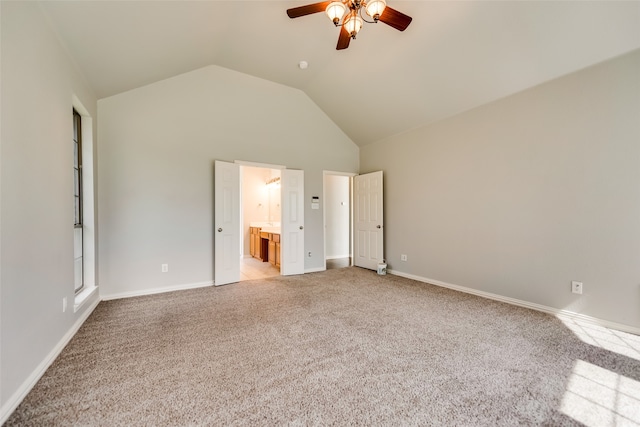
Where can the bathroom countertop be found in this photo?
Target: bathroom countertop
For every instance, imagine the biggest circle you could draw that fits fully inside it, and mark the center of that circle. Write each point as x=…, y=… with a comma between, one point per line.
x=267, y=227
x=273, y=230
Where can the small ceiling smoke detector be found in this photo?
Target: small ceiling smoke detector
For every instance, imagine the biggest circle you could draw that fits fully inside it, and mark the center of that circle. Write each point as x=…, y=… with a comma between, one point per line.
x=303, y=65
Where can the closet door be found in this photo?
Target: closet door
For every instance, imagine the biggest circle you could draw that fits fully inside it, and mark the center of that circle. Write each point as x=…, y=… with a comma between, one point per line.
x=368, y=221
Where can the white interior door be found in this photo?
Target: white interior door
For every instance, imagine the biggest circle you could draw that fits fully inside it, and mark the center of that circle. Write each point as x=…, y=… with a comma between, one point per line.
x=368, y=220
x=227, y=223
x=292, y=224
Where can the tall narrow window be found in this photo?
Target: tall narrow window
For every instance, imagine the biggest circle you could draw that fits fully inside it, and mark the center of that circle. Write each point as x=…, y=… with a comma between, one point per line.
x=77, y=193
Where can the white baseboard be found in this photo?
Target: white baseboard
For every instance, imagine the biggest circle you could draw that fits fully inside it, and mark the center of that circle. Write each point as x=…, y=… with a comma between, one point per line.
x=153, y=291
x=13, y=402
x=314, y=270
x=538, y=307
x=338, y=256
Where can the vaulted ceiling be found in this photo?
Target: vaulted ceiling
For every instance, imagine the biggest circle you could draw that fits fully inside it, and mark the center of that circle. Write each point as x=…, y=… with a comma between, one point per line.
x=455, y=55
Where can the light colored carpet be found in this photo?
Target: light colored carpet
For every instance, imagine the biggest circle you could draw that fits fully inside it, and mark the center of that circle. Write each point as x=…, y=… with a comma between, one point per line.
x=341, y=347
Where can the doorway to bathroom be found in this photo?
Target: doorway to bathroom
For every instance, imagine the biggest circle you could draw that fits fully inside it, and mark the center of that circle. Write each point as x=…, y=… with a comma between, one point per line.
x=284, y=245
x=260, y=195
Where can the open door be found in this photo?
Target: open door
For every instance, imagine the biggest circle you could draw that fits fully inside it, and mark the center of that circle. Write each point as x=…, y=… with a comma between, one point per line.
x=368, y=220
x=292, y=224
x=227, y=223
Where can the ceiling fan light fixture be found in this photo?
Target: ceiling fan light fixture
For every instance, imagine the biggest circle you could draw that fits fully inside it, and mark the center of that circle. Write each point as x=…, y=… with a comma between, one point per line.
x=353, y=24
x=349, y=16
x=374, y=8
x=335, y=11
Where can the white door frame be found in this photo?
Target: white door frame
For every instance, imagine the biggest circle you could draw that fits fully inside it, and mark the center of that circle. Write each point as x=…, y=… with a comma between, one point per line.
x=324, y=213
x=259, y=165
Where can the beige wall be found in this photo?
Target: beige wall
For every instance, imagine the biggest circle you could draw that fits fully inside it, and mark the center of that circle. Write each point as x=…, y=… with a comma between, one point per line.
x=337, y=215
x=39, y=82
x=521, y=196
x=158, y=145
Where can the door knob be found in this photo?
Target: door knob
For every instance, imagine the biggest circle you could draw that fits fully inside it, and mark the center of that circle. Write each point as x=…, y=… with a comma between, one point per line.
x=219, y=229
x=378, y=226
x=301, y=227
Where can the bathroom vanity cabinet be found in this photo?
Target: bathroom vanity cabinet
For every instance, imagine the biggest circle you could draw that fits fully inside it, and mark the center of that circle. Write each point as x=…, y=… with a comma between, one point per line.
x=255, y=243
x=264, y=245
x=271, y=247
x=274, y=249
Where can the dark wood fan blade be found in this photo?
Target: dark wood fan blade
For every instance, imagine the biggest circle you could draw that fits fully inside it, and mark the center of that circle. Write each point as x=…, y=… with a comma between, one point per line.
x=395, y=19
x=297, y=12
x=344, y=39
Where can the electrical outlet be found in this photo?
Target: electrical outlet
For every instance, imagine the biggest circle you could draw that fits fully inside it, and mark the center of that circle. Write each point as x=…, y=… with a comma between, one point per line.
x=403, y=257
x=165, y=268
x=64, y=304
x=576, y=287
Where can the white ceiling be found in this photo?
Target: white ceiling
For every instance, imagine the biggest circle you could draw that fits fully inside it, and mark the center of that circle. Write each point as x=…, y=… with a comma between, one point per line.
x=455, y=55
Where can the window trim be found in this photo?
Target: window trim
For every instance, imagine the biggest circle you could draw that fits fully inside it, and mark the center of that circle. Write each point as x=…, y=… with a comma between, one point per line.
x=78, y=197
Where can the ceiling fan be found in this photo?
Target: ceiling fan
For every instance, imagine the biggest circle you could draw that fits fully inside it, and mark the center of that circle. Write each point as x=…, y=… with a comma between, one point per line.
x=347, y=14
